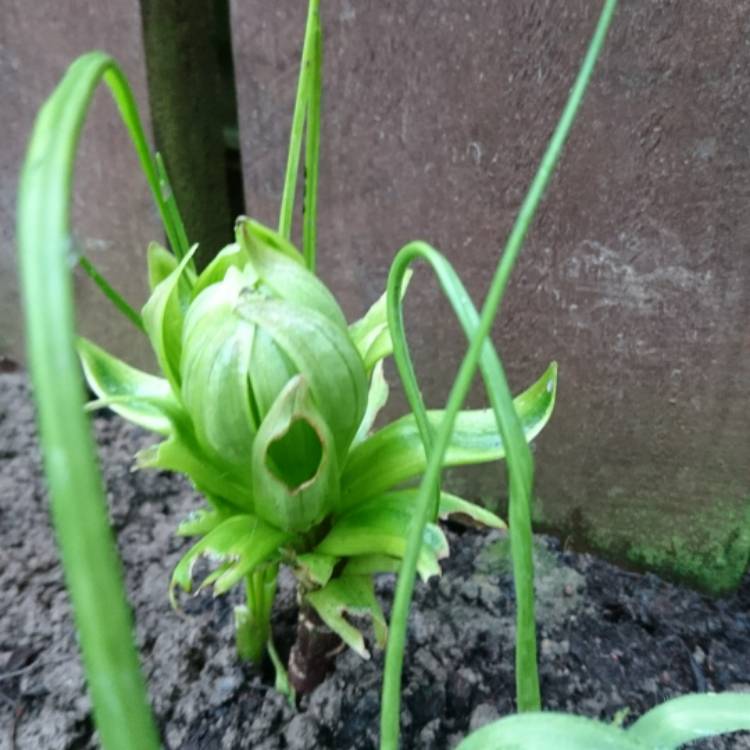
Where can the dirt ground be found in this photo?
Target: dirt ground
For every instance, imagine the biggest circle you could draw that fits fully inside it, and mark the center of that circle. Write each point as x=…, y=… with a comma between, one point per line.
x=609, y=639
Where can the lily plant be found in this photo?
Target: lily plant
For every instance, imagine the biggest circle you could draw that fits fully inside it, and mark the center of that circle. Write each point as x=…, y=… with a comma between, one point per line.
x=267, y=403
x=267, y=399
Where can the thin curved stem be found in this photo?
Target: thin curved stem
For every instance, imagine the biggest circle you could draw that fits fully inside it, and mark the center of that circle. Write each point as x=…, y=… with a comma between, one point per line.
x=518, y=484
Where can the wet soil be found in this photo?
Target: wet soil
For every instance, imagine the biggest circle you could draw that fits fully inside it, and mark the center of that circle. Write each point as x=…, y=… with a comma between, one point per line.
x=609, y=640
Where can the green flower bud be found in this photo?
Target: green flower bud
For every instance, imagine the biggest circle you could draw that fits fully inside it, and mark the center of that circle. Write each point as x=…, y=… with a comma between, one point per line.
x=242, y=345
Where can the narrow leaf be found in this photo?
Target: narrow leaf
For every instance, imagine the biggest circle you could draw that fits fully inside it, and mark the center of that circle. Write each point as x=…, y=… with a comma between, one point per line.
x=380, y=526
x=370, y=333
x=141, y=398
x=692, y=717
x=162, y=317
x=396, y=453
x=533, y=730
x=351, y=595
x=377, y=398
x=238, y=544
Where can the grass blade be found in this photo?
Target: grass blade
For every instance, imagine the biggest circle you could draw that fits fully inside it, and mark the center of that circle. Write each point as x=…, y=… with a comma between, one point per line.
x=395, y=652
x=88, y=552
x=308, y=79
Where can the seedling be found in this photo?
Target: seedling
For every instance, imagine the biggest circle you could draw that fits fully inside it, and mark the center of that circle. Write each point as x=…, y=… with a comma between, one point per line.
x=267, y=401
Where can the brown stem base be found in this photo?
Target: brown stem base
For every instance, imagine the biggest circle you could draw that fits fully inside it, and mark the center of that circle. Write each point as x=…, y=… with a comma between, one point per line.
x=313, y=653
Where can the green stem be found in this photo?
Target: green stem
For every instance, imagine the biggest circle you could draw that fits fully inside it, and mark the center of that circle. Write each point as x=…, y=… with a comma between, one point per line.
x=307, y=70
x=518, y=455
x=519, y=485
x=111, y=293
x=89, y=556
x=254, y=624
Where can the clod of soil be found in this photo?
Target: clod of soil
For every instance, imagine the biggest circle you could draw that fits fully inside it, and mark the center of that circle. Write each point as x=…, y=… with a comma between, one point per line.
x=609, y=640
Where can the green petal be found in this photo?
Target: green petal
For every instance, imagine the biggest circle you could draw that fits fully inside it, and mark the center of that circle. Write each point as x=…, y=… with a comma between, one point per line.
x=216, y=356
x=294, y=464
x=380, y=526
x=351, y=595
x=162, y=317
x=323, y=353
x=284, y=274
x=160, y=263
x=231, y=256
x=210, y=475
x=141, y=398
x=395, y=453
x=238, y=545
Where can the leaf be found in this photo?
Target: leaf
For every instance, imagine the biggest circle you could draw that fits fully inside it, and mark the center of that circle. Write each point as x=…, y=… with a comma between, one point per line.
x=141, y=398
x=162, y=318
x=351, y=595
x=451, y=505
x=294, y=465
x=692, y=717
x=370, y=333
x=533, y=730
x=364, y=565
x=279, y=267
x=395, y=453
x=377, y=397
x=380, y=526
x=238, y=544
x=201, y=522
x=314, y=568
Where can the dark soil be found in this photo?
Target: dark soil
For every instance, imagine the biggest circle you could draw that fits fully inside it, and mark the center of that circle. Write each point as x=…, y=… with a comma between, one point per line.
x=609, y=639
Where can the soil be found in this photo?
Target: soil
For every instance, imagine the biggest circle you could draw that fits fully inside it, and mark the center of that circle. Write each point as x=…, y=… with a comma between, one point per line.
x=609, y=639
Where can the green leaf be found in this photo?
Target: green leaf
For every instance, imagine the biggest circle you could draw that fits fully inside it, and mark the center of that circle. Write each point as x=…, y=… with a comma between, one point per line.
x=377, y=397
x=238, y=545
x=280, y=268
x=380, y=526
x=162, y=317
x=367, y=565
x=370, y=333
x=351, y=595
x=294, y=465
x=92, y=567
x=201, y=522
x=453, y=505
x=533, y=730
x=315, y=569
x=395, y=453
x=141, y=398
x=690, y=718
